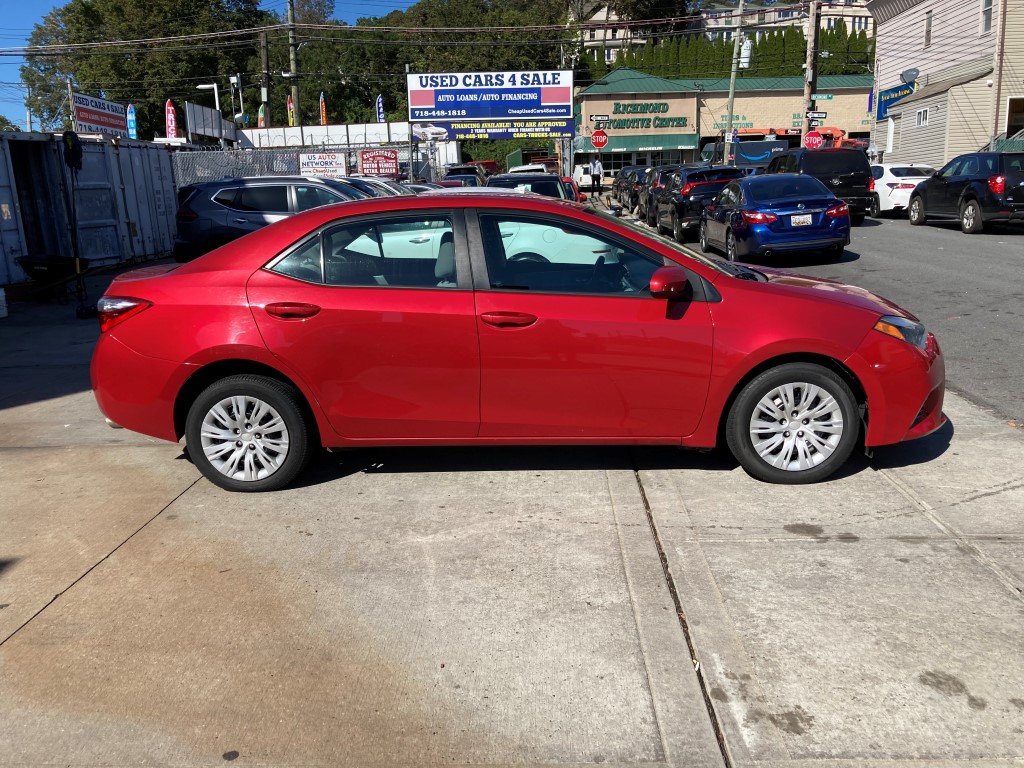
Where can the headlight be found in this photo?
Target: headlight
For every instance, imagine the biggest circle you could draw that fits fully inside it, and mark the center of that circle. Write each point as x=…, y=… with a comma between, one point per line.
x=903, y=329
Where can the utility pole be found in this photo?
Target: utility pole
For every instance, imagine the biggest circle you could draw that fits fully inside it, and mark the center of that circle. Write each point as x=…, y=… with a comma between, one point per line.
x=293, y=61
x=410, y=176
x=28, y=111
x=265, y=89
x=730, y=157
x=811, y=66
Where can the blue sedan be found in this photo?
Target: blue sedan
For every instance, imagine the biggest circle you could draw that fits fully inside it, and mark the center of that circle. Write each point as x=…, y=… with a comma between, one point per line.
x=759, y=216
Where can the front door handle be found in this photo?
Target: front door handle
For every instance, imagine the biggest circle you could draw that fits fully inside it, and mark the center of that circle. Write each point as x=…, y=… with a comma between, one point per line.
x=291, y=310
x=241, y=221
x=420, y=240
x=508, y=319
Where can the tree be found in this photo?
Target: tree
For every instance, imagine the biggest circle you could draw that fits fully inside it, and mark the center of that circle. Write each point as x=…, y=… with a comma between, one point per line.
x=143, y=74
x=645, y=10
x=7, y=125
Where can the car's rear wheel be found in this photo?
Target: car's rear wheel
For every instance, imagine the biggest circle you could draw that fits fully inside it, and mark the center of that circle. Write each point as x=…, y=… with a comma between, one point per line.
x=915, y=211
x=652, y=220
x=702, y=233
x=796, y=423
x=730, y=245
x=678, y=233
x=248, y=433
x=875, y=208
x=970, y=218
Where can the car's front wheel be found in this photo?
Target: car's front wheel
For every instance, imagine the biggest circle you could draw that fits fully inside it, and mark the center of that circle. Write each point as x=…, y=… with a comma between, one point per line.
x=970, y=218
x=248, y=433
x=702, y=234
x=678, y=233
x=795, y=423
x=915, y=212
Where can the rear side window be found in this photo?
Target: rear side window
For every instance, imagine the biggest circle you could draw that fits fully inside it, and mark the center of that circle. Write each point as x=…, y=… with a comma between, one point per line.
x=226, y=197
x=910, y=170
x=268, y=199
x=835, y=162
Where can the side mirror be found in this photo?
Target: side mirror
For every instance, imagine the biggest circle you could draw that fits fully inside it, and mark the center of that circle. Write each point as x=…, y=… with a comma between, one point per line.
x=583, y=198
x=668, y=283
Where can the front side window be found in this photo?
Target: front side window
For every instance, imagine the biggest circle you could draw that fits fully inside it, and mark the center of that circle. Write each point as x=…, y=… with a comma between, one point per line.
x=952, y=168
x=411, y=252
x=313, y=197
x=534, y=254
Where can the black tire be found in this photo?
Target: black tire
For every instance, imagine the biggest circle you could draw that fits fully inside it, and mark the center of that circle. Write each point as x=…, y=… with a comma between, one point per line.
x=678, y=233
x=529, y=256
x=278, y=454
x=970, y=217
x=730, y=245
x=818, y=452
x=875, y=208
x=856, y=219
x=652, y=217
x=915, y=211
x=702, y=234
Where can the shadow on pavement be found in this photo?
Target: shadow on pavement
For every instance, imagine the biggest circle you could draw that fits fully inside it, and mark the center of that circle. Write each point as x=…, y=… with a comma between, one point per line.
x=919, y=451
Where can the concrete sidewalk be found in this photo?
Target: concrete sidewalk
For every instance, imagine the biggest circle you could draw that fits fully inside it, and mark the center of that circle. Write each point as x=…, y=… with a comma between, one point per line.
x=497, y=607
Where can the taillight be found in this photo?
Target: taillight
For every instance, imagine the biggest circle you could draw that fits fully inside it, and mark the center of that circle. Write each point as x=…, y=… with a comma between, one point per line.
x=686, y=189
x=904, y=185
x=186, y=214
x=114, y=310
x=997, y=184
x=838, y=210
x=758, y=217
x=871, y=184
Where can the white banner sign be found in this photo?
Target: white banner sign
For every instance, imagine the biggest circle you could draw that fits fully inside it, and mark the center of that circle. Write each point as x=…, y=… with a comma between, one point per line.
x=326, y=164
x=95, y=115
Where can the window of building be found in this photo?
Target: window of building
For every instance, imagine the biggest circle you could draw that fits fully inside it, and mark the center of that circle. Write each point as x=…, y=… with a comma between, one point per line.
x=607, y=54
x=830, y=23
x=727, y=34
x=927, y=29
x=785, y=14
x=615, y=34
x=986, y=16
x=762, y=17
x=922, y=118
x=593, y=34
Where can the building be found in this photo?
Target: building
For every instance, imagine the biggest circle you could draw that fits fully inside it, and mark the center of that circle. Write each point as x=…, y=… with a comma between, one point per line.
x=949, y=76
x=719, y=20
x=651, y=120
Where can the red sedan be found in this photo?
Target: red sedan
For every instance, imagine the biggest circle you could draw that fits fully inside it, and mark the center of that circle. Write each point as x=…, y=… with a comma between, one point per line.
x=455, y=318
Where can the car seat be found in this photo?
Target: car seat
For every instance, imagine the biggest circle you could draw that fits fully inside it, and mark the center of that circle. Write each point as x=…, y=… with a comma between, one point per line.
x=444, y=269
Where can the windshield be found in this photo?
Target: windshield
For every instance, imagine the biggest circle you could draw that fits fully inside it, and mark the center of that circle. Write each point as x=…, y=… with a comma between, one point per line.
x=764, y=189
x=841, y=161
x=549, y=188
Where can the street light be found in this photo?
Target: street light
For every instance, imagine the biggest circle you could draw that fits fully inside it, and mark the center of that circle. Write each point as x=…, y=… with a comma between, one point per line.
x=216, y=103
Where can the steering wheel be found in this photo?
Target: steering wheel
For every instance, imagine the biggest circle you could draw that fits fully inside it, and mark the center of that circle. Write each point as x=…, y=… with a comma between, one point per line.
x=530, y=256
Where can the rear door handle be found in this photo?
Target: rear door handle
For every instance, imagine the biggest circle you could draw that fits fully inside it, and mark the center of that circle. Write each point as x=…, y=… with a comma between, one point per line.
x=291, y=310
x=508, y=319
x=241, y=221
x=420, y=240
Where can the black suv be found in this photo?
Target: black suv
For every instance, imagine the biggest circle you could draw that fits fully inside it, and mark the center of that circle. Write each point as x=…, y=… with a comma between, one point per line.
x=212, y=213
x=655, y=181
x=678, y=207
x=976, y=188
x=846, y=173
x=620, y=183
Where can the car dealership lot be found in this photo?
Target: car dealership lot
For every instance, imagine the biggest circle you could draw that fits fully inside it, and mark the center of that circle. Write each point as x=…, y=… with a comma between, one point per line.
x=504, y=606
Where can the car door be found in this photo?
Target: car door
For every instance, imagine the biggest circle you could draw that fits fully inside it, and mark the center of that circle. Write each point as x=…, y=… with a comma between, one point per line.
x=937, y=196
x=257, y=206
x=389, y=349
x=718, y=211
x=571, y=345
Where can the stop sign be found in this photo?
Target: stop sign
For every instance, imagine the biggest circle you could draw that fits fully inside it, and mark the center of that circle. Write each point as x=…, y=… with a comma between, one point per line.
x=599, y=139
x=812, y=140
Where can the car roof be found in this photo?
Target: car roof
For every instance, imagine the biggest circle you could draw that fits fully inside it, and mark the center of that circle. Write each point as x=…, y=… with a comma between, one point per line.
x=521, y=177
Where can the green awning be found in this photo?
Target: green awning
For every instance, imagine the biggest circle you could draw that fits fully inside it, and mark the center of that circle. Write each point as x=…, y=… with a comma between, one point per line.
x=654, y=143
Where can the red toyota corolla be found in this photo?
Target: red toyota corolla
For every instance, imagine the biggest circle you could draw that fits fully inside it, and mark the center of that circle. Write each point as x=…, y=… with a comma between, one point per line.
x=501, y=319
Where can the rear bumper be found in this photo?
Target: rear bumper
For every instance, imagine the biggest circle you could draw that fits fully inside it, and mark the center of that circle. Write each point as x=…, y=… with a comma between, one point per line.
x=857, y=204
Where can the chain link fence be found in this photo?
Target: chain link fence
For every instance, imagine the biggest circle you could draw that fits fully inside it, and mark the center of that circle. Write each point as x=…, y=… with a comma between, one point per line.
x=194, y=166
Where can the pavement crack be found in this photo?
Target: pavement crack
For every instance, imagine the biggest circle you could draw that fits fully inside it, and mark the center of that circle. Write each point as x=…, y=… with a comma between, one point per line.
x=99, y=562
x=705, y=689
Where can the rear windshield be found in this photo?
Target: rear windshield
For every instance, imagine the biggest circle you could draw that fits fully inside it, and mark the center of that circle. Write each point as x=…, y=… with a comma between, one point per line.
x=835, y=162
x=911, y=170
x=716, y=174
x=762, y=189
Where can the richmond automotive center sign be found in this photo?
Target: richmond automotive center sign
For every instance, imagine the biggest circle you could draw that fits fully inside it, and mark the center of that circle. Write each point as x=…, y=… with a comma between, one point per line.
x=494, y=105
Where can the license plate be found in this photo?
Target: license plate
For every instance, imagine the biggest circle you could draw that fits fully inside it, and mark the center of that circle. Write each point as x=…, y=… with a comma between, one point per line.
x=801, y=220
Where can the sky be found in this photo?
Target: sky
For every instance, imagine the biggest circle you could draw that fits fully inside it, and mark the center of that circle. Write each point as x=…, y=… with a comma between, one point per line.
x=20, y=16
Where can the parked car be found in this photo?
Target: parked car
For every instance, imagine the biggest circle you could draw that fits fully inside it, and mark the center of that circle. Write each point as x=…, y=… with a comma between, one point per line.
x=581, y=175
x=467, y=179
x=893, y=184
x=759, y=216
x=465, y=169
x=487, y=166
x=377, y=187
x=423, y=186
x=428, y=132
x=530, y=168
x=846, y=172
x=572, y=192
x=547, y=184
x=681, y=202
x=632, y=188
x=976, y=188
x=336, y=328
x=654, y=182
x=621, y=180
x=212, y=213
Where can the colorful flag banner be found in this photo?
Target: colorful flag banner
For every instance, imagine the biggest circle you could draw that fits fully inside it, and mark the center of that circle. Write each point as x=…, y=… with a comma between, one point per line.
x=133, y=125
x=291, y=112
x=323, y=109
x=380, y=109
x=261, y=118
x=170, y=120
